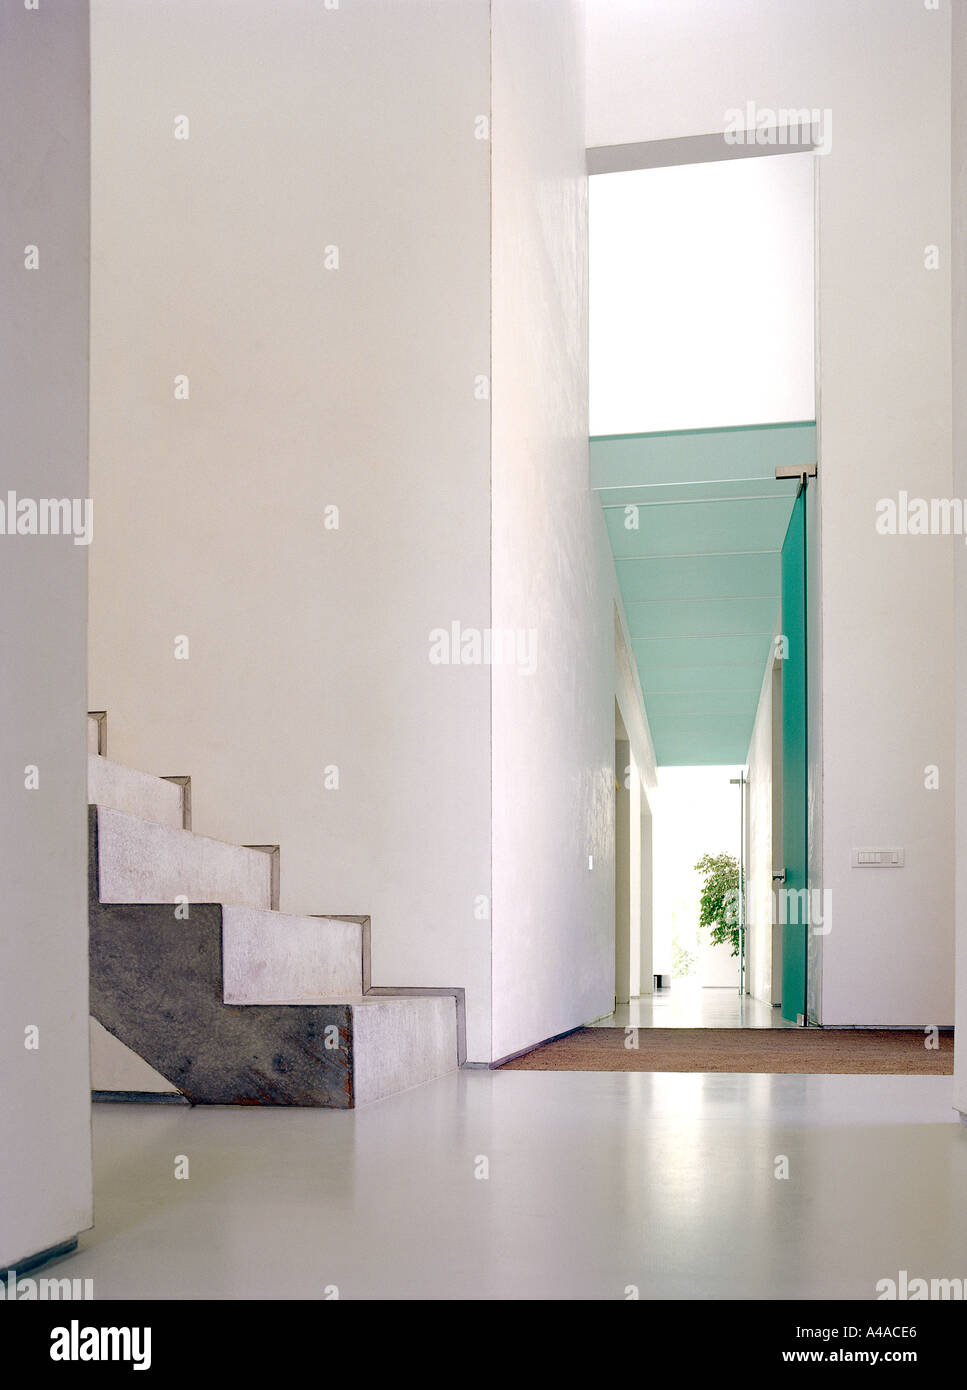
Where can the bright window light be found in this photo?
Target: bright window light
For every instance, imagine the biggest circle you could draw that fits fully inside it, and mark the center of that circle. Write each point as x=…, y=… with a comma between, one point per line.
x=702, y=295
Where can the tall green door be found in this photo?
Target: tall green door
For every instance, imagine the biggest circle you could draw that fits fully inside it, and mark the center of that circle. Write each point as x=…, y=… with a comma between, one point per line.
x=794, y=765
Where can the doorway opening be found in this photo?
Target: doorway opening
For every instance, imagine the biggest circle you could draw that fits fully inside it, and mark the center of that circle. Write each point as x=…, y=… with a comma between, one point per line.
x=703, y=444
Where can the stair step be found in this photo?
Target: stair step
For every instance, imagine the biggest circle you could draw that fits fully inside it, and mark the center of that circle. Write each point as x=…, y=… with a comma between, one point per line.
x=120, y=788
x=276, y=958
x=401, y=1041
x=140, y=861
x=157, y=985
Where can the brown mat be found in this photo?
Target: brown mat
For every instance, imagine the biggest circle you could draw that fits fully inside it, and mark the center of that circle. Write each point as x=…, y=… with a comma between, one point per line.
x=837, y=1051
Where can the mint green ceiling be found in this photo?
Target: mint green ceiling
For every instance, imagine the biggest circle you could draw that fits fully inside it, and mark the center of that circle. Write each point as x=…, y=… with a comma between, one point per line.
x=699, y=575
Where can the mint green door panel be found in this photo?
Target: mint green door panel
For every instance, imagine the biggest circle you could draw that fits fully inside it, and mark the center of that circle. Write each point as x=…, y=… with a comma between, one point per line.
x=794, y=763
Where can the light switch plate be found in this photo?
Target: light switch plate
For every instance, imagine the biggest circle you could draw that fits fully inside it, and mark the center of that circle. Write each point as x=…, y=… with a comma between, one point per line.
x=891, y=858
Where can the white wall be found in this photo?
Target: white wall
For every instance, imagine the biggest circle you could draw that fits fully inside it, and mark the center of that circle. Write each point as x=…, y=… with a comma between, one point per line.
x=625, y=908
x=45, y=1139
x=959, y=259
x=311, y=387
x=759, y=887
x=717, y=967
x=646, y=927
x=309, y=127
x=642, y=779
x=661, y=69
x=553, y=732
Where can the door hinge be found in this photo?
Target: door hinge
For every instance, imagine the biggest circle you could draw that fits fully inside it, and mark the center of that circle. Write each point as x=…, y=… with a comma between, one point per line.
x=802, y=471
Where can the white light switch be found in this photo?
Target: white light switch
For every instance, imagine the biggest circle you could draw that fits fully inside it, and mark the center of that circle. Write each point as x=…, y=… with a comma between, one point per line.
x=876, y=858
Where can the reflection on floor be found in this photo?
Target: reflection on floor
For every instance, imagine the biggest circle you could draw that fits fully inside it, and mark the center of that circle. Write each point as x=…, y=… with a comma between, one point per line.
x=595, y=1181
x=687, y=1005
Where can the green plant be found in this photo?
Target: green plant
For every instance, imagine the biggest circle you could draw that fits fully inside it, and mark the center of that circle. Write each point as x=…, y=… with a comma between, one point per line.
x=683, y=960
x=719, y=905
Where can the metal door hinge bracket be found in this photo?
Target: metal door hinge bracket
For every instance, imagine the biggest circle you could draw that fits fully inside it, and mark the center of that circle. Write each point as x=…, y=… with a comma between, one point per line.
x=796, y=470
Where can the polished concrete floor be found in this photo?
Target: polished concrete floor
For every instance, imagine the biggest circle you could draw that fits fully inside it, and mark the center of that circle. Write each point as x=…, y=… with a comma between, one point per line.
x=596, y=1181
x=687, y=1005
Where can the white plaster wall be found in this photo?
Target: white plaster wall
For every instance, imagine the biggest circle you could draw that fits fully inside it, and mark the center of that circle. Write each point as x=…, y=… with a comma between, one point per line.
x=553, y=732
x=717, y=968
x=642, y=778
x=661, y=68
x=759, y=899
x=628, y=696
x=45, y=1140
x=646, y=927
x=636, y=807
x=959, y=245
x=888, y=689
x=627, y=877
x=309, y=387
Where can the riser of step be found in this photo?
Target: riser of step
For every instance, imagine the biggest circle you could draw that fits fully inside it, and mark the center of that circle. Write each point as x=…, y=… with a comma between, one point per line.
x=120, y=788
x=275, y=958
x=400, y=1042
x=139, y=861
x=156, y=985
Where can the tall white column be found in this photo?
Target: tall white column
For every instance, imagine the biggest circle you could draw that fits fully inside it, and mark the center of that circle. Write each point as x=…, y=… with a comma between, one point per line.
x=45, y=1135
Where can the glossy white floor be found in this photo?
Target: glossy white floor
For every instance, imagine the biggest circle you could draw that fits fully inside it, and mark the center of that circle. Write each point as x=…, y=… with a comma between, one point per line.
x=687, y=1005
x=597, y=1181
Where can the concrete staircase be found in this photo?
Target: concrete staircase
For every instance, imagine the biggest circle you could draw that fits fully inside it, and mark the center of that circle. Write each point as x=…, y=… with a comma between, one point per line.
x=202, y=989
